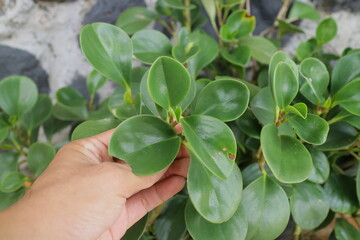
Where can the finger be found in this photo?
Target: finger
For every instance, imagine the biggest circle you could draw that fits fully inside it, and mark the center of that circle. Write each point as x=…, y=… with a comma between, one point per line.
x=178, y=128
x=179, y=167
x=183, y=152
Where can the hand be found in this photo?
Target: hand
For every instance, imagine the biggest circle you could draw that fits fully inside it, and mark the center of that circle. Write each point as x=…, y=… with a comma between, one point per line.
x=86, y=194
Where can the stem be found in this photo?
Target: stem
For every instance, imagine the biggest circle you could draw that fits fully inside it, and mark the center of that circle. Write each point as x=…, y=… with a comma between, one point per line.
x=154, y=215
x=187, y=15
x=297, y=232
x=166, y=26
x=220, y=20
x=261, y=160
x=248, y=7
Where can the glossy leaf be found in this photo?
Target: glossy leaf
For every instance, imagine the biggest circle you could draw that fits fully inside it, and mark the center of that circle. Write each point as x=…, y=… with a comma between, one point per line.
x=39, y=113
x=136, y=230
x=263, y=106
x=252, y=87
x=109, y=50
x=200, y=229
x=326, y=30
x=215, y=200
x=309, y=205
x=141, y=150
x=358, y=183
x=301, y=10
x=39, y=156
x=341, y=193
x=267, y=209
x=348, y=97
x=101, y=111
x=93, y=127
x=94, y=81
x=299, y=109
x=224, y=99
x=239, y=56
x=286, y=28
x=8, y=163
x=71, y=105
x=251, y=173
x=210, y=8
x=321, y=168
x=212, y=142
x=8, y=199
x=238, y=24
x=184, y=104
x=305, y=49
x=168, y=82
x=149, y=103
x=178, y=4
x=18, y=94
x=11, y=182
x=4, y=130
x=248, y=124
x=287, y=157
x=134, y=19
x=185, y=48
x=261, y=48
x=345, y=231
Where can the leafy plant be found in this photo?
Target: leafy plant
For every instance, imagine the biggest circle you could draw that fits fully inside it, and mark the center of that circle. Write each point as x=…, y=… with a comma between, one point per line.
x=284, y=129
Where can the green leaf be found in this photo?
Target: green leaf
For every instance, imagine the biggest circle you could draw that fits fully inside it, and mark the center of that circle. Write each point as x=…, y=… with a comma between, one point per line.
x=178, y=4
x=4, y=130
x=39, y=156
x=238, y=24
x=286, y=28
x=93, y=127
x=341, y=193
x=210, y=8
x=70, y=106
x=170, y=225
x=317, y=80
x=149, y=45
x=299, y=109
x=200, y=229
x=261, y=48
x=252, y=87
x=248, y=124
x=301, y=10
x=313, y=129
x=309, y=206
x=109, y=50
x=208, y=51
x=287, y=157
x=326, y=31
x=345, y=231
x=136, y=231
x=149, y=103
x=341, y=135
x=321, y=168
x=11, y=182
x=8, y=199
x=8, y=163
x=94, y=81
x=349, y=97
x=263, y=106
x=102, y=111
x=53, y=126
x=267, y=209
x=141, y=150
x=358, y=183
x=215, y=199
x=345, y=70
x=212, y=142
x=305, y=49
x=185, y=48
x=134, y=19
x=224, y=99
x=286, y=129
x=345, y=116
x=39, y=113
x=18, y=94
x=239, y=56
x=285, y=85
x=251, y=173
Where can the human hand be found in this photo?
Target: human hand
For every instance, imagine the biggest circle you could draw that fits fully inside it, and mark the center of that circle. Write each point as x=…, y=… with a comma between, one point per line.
x=86, y=194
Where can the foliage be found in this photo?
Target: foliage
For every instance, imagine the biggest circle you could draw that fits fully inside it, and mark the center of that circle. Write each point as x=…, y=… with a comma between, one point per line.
x=284, y=129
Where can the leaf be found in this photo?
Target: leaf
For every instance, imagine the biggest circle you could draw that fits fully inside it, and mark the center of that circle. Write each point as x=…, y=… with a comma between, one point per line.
x=18, y=94
x=326, y=31
x=263, y=106
x=134, y=19
x=348, y=97
x=299, y=109
x=208, y=51
x=11, y=182
x=286, y=28
x=267, y=209
x=358, y=183
x=53, y=126
x=341, y=135
x=305, y=49
x=102, y=111
x=239, y=56
x=140, y=139
x=216, y=200
x=70, y=106
x=309, y=205
x=185, y=48
x=238, y=24
x=301, y=10
x=39, y=113
x=251, y=173
x=345, y=70
x=224, y=99
x=94, y=81
x=149, y=103
x=252, y=87
x=345, y=231
x=178, y=4
x=230, y=3
x=313, y=129
x=170, y=225
x=8, y=163
x=321, y=168
x=285, y=85
x=109, y=50
x=8, y=199
x=212, y=142
x=317, y=80
x=136, y=230
x=4, y=130
x=341, y=193
x=286, y=129
x=210, y=8
x=39, y=156
x=168, y=82
x=93, y=127
x=287, y=157
x=261, y=48
x=200, y=229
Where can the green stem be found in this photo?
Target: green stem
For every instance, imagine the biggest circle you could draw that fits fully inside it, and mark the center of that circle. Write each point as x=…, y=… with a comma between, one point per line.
x=297, y=232
x=187, y=15
x=166, y=26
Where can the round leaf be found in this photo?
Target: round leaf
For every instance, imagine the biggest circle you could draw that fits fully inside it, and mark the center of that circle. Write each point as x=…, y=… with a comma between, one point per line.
x=4, y=130
x=238, y=24
x=12, y=182
x=215, y=200
x=93, y=127
x=168, y=82
x=287, y=157
x=94, y=81
x=109, y=50
x=261, y=48
x=70, y=97
x=267, y=209
x=321, y=168
x=358, y=183
x=326, y=30
x=309, y=206
x=140, y=139
x=224, y=99
x=39, y=113
x=299, y=109
x=8, y=199
x=8, y=163
x=301, y=10
x=212, y=142
x=239, y=56
x=349, y=97
x=39, y=156
x=136, y=231
x=18, y=94
x=71, y=105
x=263, y=106
x=345, y=231
x=200, y=229
x=185, y=48
x=134, y=19
x=248, y=124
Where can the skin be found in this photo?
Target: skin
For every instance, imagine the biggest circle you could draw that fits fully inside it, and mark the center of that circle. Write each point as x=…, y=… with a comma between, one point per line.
x=86, y=194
